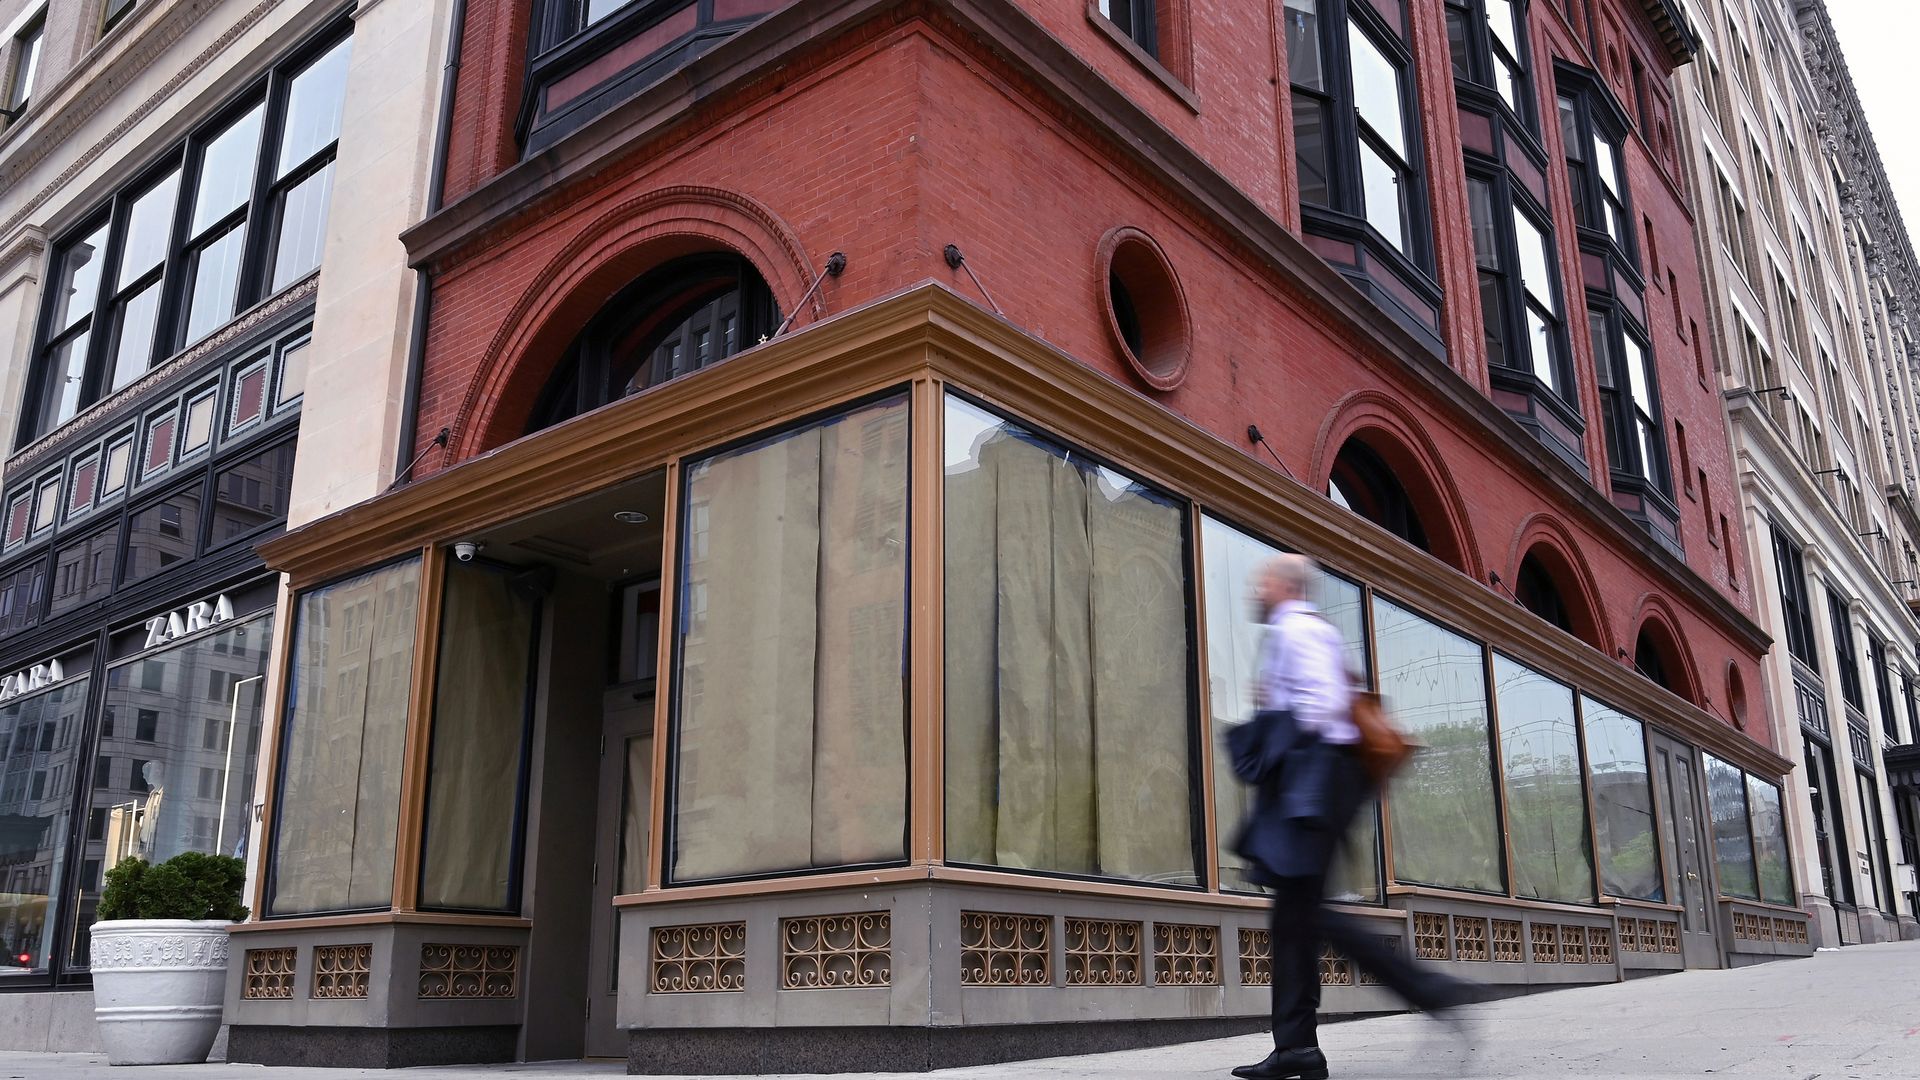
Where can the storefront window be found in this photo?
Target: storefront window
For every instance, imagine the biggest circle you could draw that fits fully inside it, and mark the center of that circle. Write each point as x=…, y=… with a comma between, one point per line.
x=480, y=720
x=1068, y=725
x=41, y=737
x=1446, y=819
x=1231, y=558
x=791, y=697
x=345, y=726
x=1732, y=834
x=1622, y=803
x=1770, y=842
x=1546, y=805
x=174, y=764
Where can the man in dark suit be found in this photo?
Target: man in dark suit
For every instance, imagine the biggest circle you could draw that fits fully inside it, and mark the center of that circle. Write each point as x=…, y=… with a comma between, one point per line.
x=1299, y=752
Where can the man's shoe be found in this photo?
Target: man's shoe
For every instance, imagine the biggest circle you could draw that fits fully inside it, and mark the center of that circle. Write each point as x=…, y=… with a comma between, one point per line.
x=1301, y=1063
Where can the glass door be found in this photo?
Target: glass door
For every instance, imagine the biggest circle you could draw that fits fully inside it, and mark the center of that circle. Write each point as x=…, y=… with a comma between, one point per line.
x=620, y=853
x=1689, y=879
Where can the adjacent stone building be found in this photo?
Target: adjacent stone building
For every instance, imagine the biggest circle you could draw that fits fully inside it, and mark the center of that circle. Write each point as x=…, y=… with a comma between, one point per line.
x=202, y=294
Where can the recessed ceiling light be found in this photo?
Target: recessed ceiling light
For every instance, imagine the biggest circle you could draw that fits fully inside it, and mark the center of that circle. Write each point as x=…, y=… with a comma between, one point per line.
x=630, y=517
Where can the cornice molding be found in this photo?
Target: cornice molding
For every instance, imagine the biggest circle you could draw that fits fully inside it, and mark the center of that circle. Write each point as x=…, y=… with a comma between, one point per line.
x=1002, y=33
x=21, y=259
x=93, y=84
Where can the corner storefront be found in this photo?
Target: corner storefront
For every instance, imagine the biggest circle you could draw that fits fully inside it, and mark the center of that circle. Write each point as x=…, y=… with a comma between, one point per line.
x=872, y=680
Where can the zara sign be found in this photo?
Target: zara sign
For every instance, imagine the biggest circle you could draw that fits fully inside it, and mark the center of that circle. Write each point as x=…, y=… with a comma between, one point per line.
x=190, y=619
x=30, y=679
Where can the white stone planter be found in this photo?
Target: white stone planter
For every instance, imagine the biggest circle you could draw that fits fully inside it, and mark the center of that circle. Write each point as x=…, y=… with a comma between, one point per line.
x=158, y=985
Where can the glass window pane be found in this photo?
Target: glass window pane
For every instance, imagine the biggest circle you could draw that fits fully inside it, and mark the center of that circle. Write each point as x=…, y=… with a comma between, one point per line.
x=1770, y=842
x=226, y=171
x=66, y=372
x=133, y=343
x=252, y=494
x=1381, y=188
x=1623, y=803
x=1732, y=838
x=162, y=535
x=79, y=287
x=216, y=282
x=1570, y=130
x=1067, y=660
x=26, y=66
x=303, y=228
x=1536, y=258
x=184, y=744
x=480, y=718
x=41, y=738
x=20, y=593
x=1310, y=150
x=1304, y=66
x=1486, y=239
x=83, y=572
x=1605, y=164
x=149, y=224
x=1638, y=377
x=1376, y=90
x=315, y=100
x=1503, y=20
x=293, y=372
x=1540, y=347
x=1231, y=558
x=791, y=750
x=346, y=720
x=1546, y=803
x=1446, y=823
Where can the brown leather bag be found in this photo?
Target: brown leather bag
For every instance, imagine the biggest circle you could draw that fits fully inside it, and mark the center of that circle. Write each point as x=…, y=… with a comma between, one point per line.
x=1383, y=748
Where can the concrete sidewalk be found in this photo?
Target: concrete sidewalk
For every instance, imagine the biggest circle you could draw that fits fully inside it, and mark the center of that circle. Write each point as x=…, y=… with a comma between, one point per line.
x=1848, y=1014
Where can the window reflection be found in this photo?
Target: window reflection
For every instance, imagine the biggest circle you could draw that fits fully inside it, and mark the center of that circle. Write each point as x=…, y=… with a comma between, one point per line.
x=1546, y=801
x=162, y=535
x=1770, y=842
x=1622, y=803
x=174, y=764
x=1732, y=833
x=1067, y=661
x=41, y=738
x=1446, y=822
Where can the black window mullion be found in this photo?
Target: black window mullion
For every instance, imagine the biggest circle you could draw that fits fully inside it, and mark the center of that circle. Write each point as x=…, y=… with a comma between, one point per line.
x=165, y=319
x=91, y=387
x=256, y=250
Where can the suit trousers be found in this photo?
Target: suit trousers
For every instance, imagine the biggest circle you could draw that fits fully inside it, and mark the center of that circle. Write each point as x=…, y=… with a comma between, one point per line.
x=1301, y=924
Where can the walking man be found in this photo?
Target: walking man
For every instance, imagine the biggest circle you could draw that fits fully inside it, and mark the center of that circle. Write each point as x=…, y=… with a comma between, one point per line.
x=1299, y=751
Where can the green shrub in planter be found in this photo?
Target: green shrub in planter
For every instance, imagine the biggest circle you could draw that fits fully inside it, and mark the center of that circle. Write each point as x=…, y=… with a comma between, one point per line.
x=188, y=886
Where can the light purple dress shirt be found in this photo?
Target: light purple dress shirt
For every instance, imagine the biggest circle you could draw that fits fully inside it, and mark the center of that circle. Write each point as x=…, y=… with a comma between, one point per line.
x=1303, y=668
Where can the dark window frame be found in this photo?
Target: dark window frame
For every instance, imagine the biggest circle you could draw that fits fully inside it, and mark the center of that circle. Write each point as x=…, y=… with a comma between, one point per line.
x=1480, y=57
x=1507, y=199
x=1596, y=115
x=1883, y=688
x=1846, y=654
x=1137, y=19
x=28, y=45
x=1796, y=600
x=262, y=214
x=1628, y=422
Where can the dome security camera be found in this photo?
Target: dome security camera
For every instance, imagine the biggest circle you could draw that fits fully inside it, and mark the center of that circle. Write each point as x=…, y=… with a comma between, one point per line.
x=465, y=550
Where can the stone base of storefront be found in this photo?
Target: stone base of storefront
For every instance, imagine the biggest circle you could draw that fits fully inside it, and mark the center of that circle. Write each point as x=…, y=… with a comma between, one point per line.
x=54, y=1021
x=756, y=1050
x=371, y=1048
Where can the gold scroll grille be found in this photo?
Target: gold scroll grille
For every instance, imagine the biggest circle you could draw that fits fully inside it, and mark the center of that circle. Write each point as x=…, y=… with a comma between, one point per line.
x=1103, y=952
x=1005, y=950
x=1186, y=955
x=1469, y=938
x=700, y=958
x=1256, y=958
x=469, y=971
x=833, y=952
x=269, y=974
x=1429, y=936
x=1599, y=945
x=342, y=971
x=1506, y=942
x=1546, y=943
x=1335, y=970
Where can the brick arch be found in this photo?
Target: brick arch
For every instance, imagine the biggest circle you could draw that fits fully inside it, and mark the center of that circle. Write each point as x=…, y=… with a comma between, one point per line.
x=1553, y=545
x=1390, y=430
x=616, y=248
x=1656, y=617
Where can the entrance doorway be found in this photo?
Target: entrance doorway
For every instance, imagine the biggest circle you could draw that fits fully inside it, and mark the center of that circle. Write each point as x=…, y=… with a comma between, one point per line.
x=1689, y=878
x=591, y=795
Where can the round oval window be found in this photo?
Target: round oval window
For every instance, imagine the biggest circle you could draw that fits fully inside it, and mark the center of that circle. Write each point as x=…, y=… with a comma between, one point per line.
x=1146, y=310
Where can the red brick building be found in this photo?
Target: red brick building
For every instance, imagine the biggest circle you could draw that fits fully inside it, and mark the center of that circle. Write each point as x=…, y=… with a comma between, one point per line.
x=1040, y=322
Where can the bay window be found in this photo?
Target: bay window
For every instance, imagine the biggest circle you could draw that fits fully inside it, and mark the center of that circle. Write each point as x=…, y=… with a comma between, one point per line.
x=207, y=231
x=1593, y=134
x=1488, y=41
x=1630, y=411
x=1357, y=148
x=1519, y=286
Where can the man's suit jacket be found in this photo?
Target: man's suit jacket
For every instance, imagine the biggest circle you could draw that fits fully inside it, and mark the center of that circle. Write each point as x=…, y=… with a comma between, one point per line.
x=1307, y=794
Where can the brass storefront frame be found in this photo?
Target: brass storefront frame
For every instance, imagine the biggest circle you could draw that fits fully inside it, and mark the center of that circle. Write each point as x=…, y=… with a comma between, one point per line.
x=924, y=339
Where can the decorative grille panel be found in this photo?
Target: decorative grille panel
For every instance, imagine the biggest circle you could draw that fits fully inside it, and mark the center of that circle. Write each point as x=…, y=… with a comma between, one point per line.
x=1546, y=943
x=1429, y=936
x=1506, y=942
x=1186, y=955
x=1335, y=970
x=1005, y=950
x=342, y=971
x=1573, y=944
x=834, y=952
x=702, y=958
x=1256, y=958
x=1102, y=952
x=469, y=971
x=1670, y=937
x=269, y=974
x=1469, y=938
x=1599, y=945
x=1629, y=935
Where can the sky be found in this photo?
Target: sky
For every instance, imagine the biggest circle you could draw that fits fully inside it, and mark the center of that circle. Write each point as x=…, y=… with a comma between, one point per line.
x=1879, y=38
